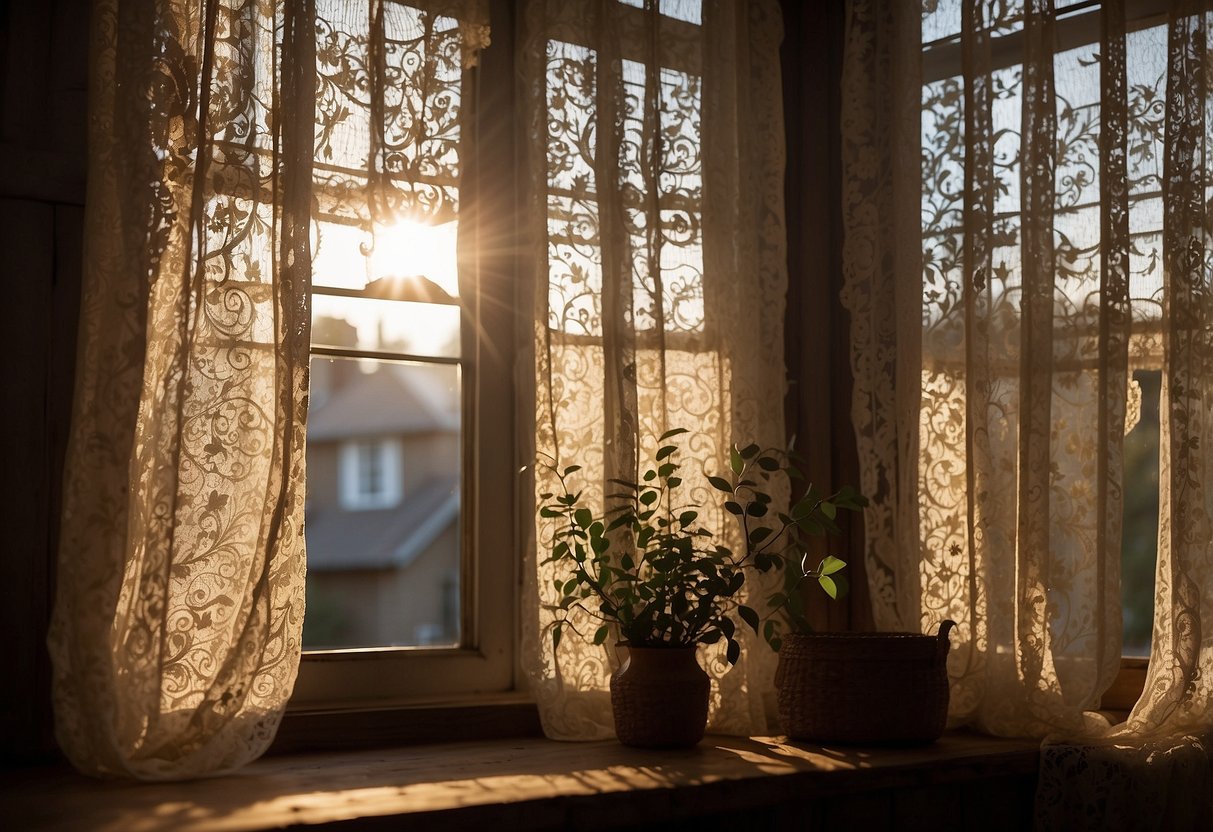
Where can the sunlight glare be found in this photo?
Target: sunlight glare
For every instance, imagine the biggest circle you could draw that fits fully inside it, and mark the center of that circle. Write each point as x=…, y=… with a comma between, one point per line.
x=408, y=248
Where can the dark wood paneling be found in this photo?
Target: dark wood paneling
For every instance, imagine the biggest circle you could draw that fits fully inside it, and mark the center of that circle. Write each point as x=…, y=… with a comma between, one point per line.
x=818, y=407
x=43, y=58
x=27, y=240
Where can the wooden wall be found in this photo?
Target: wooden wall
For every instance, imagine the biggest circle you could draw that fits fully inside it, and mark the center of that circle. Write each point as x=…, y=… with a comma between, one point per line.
x=817, y=335
x=43, y=59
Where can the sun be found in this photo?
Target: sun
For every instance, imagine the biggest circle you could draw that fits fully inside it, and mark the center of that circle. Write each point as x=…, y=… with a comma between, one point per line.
x=408, y=248
x=408, y=276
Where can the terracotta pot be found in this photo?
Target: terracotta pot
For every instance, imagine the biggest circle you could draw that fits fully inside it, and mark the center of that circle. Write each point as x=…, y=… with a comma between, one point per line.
x=660, y=698
x=864, y=688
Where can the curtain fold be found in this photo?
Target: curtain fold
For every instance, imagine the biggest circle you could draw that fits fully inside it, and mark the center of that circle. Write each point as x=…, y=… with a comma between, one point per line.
x=175, y=634
x=226, y=138
x=1059, y=244
x=655, y=154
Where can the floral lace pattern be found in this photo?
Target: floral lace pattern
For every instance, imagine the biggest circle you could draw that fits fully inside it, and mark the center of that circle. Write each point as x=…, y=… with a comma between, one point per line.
x=1052, y=234
x=179, y=606
x=657, y=203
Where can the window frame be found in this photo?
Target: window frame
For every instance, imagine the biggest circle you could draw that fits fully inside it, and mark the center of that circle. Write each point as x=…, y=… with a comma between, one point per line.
x=493, y=289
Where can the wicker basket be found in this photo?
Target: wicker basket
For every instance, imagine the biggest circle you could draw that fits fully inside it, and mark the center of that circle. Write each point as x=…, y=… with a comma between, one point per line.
x=660, y=698
x=864, y=688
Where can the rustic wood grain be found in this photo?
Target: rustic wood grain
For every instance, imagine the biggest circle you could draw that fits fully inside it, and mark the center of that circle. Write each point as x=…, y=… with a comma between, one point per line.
x=535, y=784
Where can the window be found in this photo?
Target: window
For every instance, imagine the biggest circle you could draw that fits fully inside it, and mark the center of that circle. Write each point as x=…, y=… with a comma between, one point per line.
x=410, y=428
x=1076, y=221
x=369, y=476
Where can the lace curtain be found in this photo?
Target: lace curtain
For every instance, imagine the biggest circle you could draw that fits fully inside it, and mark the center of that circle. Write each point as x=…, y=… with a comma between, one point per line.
x=216, y=130
x=655, y=146
x=1026, y=213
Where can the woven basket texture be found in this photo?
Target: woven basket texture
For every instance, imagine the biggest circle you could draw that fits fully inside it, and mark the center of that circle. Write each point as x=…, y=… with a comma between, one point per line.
x=864, y=688
x=660, y=698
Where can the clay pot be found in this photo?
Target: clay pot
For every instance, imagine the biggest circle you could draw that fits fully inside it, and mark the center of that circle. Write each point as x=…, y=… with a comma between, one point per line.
x=864, y=688
x=660, y=698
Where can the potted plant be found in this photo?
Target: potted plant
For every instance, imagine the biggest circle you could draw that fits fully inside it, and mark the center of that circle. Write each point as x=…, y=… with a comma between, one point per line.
x=864, y=688
x=646, y=568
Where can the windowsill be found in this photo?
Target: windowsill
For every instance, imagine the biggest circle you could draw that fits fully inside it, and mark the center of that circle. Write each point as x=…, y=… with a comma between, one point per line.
x=533, y=783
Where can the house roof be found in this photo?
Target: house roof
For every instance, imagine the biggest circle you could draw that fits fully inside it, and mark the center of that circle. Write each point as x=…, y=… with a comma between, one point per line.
x=390, y=400
x=389, y=538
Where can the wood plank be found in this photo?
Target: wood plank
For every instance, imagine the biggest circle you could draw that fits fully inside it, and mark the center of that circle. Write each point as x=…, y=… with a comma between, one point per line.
x=25, y=32
x=27, y=239
x=515, y=784
x=41, y=175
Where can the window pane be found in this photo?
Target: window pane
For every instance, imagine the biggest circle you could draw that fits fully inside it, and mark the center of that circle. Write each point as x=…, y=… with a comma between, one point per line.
x=426, y=329
x=1139, y=543
x=1077, y=231
x=667, y=268
x=383, y=507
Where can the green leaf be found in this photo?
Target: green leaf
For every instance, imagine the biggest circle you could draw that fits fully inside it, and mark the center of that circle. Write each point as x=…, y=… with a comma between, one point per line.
x=733, y=508
x=666, y=469
x=571, y=469
x=600, y=634
x=827, y=583
x=735, y=461
x=648, y=498
x=842, y=584
x=749, y=451
x=687, y=517
x=650, y=475
x=831, y=565
x=829, y=509
x=674, y=482
x=733, y=653
x=664, y=451
x=767, y=464
x=672, y=432
x=721, y=484
x=584, y=517
x=748, y=616
x=556, y=633
x=756, y=509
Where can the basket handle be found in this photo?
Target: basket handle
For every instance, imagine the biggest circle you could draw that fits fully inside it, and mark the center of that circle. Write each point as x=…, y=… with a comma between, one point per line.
x=945, y=627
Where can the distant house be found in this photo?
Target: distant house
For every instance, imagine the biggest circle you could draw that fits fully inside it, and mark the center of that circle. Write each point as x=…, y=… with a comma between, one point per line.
x=383, y=531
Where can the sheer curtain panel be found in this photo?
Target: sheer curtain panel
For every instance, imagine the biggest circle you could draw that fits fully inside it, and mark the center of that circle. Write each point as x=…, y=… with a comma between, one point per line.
x=655, y=152
x=175, y=635
x=1025, y=196
x=223, y=135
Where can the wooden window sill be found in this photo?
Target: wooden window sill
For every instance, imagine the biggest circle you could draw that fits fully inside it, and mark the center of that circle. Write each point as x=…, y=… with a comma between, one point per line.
x=533, y=783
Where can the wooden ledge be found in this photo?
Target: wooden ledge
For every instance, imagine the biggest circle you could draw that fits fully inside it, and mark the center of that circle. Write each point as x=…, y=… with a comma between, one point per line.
x=529, y=784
